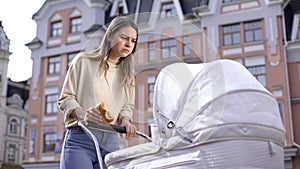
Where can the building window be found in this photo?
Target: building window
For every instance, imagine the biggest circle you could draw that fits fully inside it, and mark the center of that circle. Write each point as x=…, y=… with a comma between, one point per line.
x=49, y=142
x=232, y=35
x=151, y=83
x=75, y=26
x=32, y=141
x=13, y=126
x=169, y=48
x=298, y=31
x=280, y=106
x=56, y=29
x=54, y=65
x=228, y=1
x=151, y=48
x=253, y=31
x=24, y=152
x=186, y=46
x=11, y=152
x=120, y=7
x=71, y=56
x=167, y=10
x=25, y=129
x=259, y=72
x=51, y=106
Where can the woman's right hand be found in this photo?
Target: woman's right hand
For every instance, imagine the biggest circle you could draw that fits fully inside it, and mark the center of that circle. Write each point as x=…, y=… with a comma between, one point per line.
x=94, y=115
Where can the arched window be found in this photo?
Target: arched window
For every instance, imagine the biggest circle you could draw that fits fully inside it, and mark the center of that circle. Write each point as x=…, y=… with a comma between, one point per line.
x=13, y=126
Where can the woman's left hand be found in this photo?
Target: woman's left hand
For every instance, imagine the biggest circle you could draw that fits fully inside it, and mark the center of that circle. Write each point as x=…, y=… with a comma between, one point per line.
x=130, y=128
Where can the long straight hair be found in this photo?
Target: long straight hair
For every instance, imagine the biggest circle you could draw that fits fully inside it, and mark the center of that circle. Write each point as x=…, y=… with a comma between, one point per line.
x=126, y=64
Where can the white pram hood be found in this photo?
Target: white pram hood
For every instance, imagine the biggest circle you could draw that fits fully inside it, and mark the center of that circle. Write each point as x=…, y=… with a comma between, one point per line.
x=199, y=106
x=213, y=101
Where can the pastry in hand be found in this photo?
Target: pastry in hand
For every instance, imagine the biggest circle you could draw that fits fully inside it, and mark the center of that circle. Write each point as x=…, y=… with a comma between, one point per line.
x=105, y=114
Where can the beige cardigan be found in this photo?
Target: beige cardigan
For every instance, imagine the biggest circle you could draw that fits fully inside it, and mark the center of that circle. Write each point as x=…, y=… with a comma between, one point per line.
x=83, y=88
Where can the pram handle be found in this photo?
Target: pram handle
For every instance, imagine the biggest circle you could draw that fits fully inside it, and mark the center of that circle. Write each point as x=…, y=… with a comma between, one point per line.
x=122, y=129
x=105, y=127
x=119, y=129
x=114, y=128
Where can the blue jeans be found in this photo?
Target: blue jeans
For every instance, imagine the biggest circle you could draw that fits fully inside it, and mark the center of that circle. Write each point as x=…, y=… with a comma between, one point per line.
x=79, y=151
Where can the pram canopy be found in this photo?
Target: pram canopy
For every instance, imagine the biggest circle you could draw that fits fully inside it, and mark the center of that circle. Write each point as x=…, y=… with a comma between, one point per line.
x=209, y=115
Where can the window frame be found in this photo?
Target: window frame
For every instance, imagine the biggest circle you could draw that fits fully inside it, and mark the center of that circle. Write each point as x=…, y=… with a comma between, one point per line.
x=75, y=27
x=120, y=8
x=256, y=72
x=237, y=32
x=253, y=31
x=186, y=46
x=49, y=147
x=281, y=110
x=13, y=126
x=51, y=103
x=56, y=28
x=32, y=140
x=168, y=48
x=167, y=10
x=151, y=79
x=232, y=33
x=53, y=65
x=11, y=152
x=151, y=51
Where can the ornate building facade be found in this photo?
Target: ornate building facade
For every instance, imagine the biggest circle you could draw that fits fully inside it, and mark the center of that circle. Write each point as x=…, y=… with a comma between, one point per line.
x=251, y=32
x=13, y=112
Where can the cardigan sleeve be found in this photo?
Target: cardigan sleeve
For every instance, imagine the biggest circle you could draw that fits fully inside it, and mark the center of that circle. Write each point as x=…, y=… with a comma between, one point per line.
x=67, y=101
x=127, y=109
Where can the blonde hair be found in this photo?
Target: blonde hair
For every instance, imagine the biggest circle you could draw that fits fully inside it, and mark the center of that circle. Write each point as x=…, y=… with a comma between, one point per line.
x=126, y=64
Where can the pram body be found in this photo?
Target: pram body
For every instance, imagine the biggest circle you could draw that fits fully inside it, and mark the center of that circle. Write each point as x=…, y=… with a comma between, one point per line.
x=209, y=116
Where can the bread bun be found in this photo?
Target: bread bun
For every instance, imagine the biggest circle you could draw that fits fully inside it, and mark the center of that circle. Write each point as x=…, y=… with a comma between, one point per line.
x=105, y=114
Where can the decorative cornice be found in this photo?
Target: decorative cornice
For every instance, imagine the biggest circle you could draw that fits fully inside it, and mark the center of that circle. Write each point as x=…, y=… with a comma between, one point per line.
x=34, y=44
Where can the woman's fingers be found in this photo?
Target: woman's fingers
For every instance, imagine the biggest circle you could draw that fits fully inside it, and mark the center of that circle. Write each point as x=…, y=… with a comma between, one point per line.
x=130, y=130
x=94, y=115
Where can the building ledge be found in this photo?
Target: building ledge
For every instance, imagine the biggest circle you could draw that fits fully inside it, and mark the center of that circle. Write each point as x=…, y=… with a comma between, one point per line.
x=295, y=100
x=34, y=44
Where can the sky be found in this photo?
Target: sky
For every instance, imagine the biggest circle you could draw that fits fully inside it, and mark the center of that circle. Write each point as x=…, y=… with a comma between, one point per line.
x=16, y=17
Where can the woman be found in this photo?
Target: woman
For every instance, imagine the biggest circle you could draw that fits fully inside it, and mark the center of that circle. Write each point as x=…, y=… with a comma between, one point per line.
x=106, y=75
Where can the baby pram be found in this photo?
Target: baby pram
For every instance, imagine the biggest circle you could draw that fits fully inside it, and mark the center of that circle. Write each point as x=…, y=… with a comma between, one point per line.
x=209, y=116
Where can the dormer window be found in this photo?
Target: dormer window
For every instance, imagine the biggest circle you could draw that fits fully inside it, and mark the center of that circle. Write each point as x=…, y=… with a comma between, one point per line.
x=75, y=25
x=56, y=29
x=119, y=7
x=167, y=10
